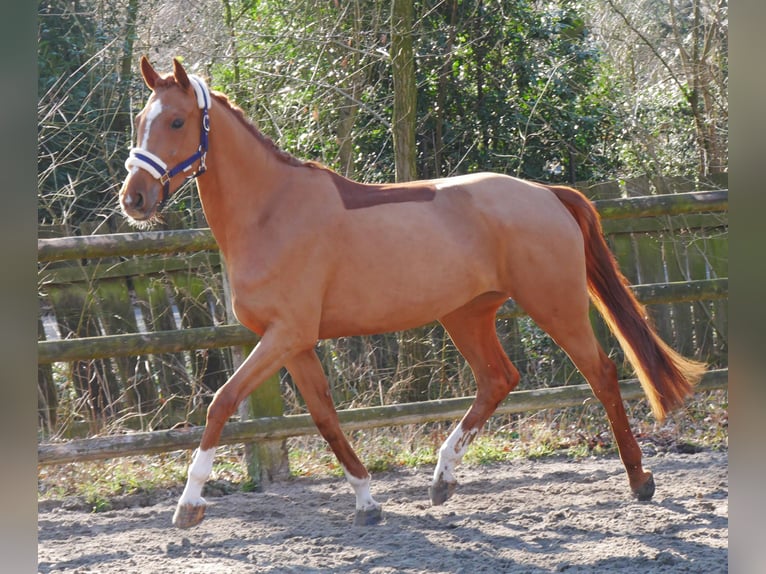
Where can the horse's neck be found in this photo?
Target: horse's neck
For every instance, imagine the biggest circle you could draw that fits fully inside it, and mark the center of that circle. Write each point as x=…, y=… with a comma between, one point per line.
x=242, y=175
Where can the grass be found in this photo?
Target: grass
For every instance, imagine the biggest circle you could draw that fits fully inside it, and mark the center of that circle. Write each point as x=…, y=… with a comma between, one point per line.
x=575, y=432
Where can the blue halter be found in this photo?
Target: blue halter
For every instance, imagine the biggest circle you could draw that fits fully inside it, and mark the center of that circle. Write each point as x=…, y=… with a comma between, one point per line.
x=145, y=159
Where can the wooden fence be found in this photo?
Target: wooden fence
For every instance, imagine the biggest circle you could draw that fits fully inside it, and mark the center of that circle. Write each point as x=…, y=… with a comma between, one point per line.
x=281, y=427
x=152, y=364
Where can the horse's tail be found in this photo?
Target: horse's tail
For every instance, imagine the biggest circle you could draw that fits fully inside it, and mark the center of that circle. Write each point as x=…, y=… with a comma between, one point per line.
x=666, y=377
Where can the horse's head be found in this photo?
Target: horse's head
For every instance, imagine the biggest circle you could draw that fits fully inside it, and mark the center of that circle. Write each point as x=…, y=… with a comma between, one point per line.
x=171, y=139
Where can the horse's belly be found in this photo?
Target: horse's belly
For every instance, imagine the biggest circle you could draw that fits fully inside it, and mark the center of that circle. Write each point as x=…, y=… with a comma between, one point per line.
x=397, y=293
x=352, y=319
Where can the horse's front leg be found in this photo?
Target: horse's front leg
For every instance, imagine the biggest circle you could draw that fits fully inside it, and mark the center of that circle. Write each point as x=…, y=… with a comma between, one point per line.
x=266, y=358
x=307, y=374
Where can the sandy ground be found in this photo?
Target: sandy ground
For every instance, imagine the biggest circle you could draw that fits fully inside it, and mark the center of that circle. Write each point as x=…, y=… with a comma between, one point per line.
x=552, y=515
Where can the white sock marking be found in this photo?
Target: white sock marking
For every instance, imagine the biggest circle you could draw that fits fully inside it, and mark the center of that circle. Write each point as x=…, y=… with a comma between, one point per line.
x=361, y=486
x=451, y=453
x=199, y=471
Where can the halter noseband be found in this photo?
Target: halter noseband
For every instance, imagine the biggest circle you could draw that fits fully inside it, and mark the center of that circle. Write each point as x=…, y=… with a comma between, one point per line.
x=145, y=159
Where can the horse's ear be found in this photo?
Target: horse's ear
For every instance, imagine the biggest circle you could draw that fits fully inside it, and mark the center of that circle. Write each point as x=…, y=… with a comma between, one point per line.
x=149, y=74
x=180, y=74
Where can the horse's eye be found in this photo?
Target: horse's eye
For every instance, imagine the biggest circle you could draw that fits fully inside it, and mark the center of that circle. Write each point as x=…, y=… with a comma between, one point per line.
x=177, y=123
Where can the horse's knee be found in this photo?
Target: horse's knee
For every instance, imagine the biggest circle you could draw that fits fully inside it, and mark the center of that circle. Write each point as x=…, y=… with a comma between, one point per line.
x=221, y=407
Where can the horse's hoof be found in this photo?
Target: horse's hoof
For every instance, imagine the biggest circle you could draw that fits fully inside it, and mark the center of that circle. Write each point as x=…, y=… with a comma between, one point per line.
x=368, y=517
x=188, y=515
x=441, y=492
x=646, y=490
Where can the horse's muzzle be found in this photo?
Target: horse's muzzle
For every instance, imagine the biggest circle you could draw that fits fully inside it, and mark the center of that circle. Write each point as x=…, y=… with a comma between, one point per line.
x=139, y=200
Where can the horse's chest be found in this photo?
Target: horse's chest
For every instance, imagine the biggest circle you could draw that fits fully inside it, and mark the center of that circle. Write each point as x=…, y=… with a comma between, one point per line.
x=264, y=293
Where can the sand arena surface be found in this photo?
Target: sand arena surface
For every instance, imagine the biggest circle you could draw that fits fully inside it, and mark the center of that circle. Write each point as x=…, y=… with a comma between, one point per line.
x=550, y=515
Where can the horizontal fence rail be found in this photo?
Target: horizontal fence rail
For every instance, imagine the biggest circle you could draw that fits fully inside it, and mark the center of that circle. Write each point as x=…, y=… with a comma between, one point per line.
x=125, y=244
x=669, y=204
x=274, y=428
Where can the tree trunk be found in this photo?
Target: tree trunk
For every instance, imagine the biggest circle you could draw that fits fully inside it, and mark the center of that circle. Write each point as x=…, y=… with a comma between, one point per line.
x=124, y=118
x=412, y=374
x=230, y=22
x=405, y=90
x=441, y=96
x=349, y=105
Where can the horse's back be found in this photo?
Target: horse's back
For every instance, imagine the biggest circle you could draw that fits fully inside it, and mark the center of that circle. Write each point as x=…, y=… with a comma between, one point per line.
x=406, y=263
x=511, y=202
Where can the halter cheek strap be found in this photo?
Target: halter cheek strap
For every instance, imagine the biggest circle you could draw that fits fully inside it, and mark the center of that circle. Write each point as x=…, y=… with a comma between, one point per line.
x=144, y=159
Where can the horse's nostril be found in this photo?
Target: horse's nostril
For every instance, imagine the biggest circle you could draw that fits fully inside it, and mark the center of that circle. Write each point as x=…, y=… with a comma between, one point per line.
x=139, y=200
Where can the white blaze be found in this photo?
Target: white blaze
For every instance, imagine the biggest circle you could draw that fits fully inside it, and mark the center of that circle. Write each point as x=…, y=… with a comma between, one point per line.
x=154, y=110
x=151, y=114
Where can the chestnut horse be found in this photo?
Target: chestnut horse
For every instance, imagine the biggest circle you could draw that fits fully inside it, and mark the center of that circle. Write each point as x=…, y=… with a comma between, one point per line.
x=314, y=255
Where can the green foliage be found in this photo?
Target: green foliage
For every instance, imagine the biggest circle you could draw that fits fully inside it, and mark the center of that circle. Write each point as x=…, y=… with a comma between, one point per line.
x=81, y=124
x=299, y=69
x=250, y=485
x=517, y=95
x=668, y=64
x=539, y=90
x=518, y=92
x=99, y=482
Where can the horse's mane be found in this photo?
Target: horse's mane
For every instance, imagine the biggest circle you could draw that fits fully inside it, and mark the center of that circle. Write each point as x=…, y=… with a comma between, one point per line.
x=267, y=142
x=286, y=157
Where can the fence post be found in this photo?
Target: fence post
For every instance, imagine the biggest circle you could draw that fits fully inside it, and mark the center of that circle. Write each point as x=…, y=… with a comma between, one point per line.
x=266, y=461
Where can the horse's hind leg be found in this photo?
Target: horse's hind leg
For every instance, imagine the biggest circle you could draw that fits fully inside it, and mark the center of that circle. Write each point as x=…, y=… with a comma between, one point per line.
x=601, y=374
x=472, y=329
x=307, y=374
x=572, y=331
